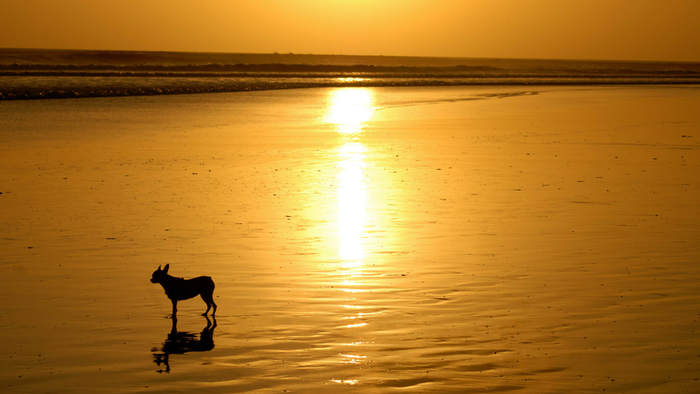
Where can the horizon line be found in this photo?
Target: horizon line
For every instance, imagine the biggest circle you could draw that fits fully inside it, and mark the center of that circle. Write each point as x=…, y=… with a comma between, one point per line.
x=277, y=53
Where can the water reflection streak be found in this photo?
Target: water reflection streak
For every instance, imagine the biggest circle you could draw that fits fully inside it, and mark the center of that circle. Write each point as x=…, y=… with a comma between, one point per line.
x=348, y=112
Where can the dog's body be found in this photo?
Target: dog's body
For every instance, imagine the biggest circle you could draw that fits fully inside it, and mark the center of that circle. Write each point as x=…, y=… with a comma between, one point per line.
x=178, y=289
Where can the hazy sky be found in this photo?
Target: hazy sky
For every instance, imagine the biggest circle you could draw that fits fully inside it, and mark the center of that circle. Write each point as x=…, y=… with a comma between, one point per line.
x=572, y=29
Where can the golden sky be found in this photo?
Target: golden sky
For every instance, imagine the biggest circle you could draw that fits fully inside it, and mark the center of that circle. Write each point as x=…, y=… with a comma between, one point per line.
x=568, y=29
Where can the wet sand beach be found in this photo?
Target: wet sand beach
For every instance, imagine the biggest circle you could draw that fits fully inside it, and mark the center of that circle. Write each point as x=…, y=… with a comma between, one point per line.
x=426, y=239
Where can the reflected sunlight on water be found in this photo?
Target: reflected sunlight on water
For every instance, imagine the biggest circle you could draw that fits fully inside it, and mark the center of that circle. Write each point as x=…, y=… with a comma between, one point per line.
x=348, y=112
x=349, y=109
x=352, y=199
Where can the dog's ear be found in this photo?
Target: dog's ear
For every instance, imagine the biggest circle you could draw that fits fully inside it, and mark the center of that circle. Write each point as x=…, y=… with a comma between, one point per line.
x=167, y=267
x=158, y=268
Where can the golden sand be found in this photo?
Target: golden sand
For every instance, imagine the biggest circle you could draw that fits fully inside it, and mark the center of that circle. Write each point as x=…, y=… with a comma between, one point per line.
x=527, y=239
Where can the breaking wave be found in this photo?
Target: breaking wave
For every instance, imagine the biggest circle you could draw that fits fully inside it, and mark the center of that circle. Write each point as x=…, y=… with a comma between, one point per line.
x=37, y=74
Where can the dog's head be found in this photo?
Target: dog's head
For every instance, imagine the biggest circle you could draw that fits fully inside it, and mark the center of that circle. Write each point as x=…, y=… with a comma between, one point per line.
x=160, y=274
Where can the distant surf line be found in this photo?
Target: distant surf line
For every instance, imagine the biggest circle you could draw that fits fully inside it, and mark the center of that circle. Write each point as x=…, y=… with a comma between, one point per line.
x=56, y=87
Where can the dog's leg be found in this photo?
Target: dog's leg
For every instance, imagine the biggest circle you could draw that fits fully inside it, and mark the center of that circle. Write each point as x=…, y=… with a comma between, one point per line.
x=207, y=311
x=209, y=300
x=174, y=309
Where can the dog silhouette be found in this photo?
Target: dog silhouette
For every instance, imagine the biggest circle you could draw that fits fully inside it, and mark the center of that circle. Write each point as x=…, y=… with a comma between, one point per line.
x=178, y=289
x=181, y=342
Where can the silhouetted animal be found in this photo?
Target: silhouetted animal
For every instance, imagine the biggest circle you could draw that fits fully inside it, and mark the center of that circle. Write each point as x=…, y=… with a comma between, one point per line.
x=178, y=289
x=180, y=342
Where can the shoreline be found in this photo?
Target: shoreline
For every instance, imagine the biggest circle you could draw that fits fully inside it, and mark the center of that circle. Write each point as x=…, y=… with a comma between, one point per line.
x=38, y=88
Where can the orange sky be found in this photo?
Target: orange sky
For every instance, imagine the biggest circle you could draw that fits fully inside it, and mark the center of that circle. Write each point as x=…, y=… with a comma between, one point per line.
x=569, y=29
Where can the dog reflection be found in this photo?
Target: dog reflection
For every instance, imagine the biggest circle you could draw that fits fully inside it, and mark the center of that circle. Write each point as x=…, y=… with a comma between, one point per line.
x=180, y=342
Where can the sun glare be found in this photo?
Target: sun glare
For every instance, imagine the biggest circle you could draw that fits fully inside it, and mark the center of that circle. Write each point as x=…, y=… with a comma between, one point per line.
x=349, y=109
x=352, y=196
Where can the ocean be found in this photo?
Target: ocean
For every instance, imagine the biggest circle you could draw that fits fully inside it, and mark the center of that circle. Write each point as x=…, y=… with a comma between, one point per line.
x=38, y=73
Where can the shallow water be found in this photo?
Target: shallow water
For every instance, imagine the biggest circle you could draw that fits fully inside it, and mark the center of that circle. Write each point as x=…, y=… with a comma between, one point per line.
x=539, y=239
